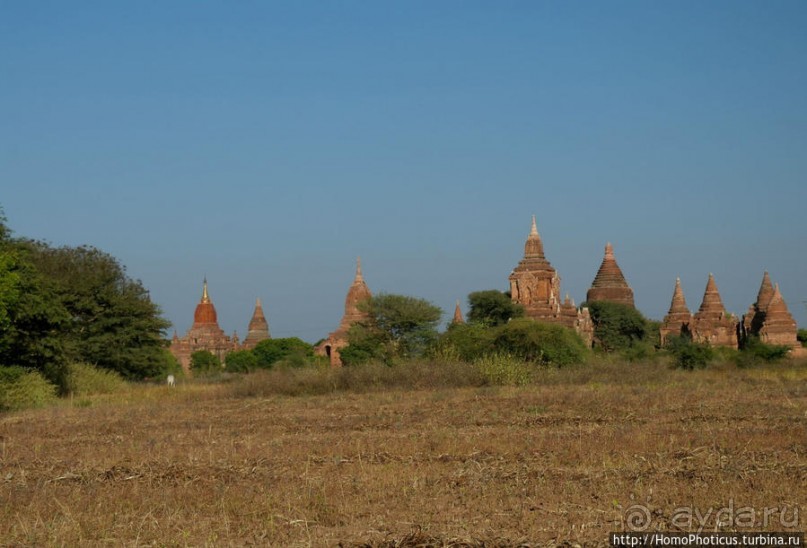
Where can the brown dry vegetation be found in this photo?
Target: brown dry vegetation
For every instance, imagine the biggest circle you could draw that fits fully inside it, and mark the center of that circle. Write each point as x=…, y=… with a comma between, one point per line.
x=560, y=461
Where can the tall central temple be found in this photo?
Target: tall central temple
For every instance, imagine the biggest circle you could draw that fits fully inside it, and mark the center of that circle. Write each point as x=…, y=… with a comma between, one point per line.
x=535, y=284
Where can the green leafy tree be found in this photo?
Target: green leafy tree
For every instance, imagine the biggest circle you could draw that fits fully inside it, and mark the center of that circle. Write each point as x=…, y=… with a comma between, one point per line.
x=538, y=342
x=617, y=326
x=113, y=322
x=241, y=361
x=32, y=317
x=397, y=326
x=204, y=362
x=468, y=340
x=492, y=307
x=292, y=350
x=801, y=335
x=688, y=354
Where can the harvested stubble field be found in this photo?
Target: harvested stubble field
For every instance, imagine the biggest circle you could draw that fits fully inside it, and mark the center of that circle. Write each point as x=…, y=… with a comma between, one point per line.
x=561, y=461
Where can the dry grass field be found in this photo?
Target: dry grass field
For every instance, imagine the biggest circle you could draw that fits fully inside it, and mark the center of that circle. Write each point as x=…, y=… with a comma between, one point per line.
x=561, y=461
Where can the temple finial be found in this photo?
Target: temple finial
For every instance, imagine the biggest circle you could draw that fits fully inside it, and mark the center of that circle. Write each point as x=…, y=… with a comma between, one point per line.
x=258, y=302
x=358, y=269
x=534, y=227
x=205, y=296
x=609, y=250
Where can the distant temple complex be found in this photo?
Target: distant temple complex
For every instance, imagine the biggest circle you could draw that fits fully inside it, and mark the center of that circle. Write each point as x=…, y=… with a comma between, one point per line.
x=768, y=318
x=337, y=340
x=205, y=333
x=534, y=284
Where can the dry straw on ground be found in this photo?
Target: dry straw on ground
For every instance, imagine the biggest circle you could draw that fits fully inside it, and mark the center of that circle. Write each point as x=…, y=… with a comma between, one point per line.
x=557, y=462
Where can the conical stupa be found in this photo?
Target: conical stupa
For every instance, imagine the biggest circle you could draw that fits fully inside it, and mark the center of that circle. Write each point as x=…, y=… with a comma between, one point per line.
x=609, y=284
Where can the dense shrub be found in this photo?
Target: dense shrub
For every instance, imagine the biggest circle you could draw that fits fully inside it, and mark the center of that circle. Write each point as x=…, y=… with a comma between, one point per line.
x=801, y=335
x=492, y=307
x=688, y=354
x=204, y=363
x=22, y=388
x=467, y=341
x=84, y=379
x=292, y=349
x=538, y=342
x=617, y=326
x=755, y=352
x=504, y=369
x=241, y=361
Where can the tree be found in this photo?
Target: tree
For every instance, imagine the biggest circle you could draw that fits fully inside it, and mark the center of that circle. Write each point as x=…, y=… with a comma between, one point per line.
x=801, y=335
x=291, y=349
x=240, y=361
x=397, y=326
x=688, y=354
x=113, y=322
x=617, y=326
x=543, y=343
x=32, y=317
x=492, y=307
x=468, y=340
x=204, y=362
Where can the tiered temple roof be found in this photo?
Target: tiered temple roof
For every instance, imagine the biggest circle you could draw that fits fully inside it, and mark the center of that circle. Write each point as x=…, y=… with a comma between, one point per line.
x=258, y=329
x=711, y=323
x=678, y=318
x=779, y=327
x=535, y=285
x=457, y=319
x=609, y=284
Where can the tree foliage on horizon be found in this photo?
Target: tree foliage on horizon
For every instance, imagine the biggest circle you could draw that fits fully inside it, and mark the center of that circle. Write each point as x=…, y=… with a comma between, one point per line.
x=492, y=307
x=74, y=304
x=397, y=327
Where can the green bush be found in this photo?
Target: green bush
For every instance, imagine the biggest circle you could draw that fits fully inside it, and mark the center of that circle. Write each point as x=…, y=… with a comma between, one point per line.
x=617, y=326
x=240, y=361
x=21, y=389
x=801, y=335
x=468, y=341
x=504, y=369
x=756, y=352
x=270, y=351
x=205, y=363
x=84, y=380
x=688, y=354
x=538, y=342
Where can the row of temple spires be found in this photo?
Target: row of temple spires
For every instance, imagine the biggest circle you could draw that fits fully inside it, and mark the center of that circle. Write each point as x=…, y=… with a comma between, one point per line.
x=535, y=284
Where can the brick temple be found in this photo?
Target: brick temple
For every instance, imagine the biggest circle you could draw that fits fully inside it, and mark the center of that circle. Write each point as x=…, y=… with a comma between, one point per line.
x=535, y=284
x=609, y=284
x=205, y=333
x=337, y=340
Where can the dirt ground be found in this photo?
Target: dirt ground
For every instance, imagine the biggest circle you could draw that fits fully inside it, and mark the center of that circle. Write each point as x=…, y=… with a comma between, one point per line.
x=563, y=461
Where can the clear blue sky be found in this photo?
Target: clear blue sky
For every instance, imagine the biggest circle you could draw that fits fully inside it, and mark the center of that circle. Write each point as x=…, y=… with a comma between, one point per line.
x=267, y=144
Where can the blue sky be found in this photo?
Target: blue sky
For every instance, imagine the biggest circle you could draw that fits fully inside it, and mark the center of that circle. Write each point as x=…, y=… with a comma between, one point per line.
x=267, y=144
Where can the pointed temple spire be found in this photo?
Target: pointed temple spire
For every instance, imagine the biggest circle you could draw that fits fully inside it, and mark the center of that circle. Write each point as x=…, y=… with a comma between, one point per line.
x=336, y=340
x=779, y=326
x=766, y=292
x=458, y=319
x=678, y=319
x=205, y=296
x=712, y=304
x=258, y=329
x=609, y=284
x=711, y=323
x=534, y=247
x=205, y=312
x=679, y=302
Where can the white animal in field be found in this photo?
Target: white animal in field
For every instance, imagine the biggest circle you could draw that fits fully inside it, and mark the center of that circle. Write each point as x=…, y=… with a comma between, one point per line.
x=171, y=380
